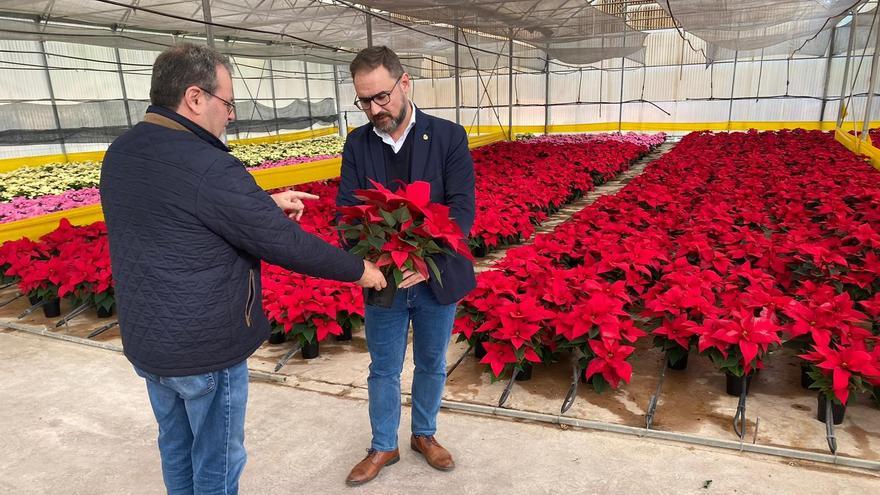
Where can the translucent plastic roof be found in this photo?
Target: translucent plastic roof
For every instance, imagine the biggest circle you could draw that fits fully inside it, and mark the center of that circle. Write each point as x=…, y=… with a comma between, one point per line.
x=331, y=31
x=749, y=26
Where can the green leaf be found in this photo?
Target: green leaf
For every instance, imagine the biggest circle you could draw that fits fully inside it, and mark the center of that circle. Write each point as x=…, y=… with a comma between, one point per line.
x=599, y=384
x=405, y=215
x=435, y=270
x=389, y=218
x=376, y=242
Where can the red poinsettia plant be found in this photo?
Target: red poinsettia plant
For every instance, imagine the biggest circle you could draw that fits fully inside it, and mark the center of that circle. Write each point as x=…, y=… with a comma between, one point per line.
x=401, y=230
x=88, y=278
x=14, y=256
x=839, y=367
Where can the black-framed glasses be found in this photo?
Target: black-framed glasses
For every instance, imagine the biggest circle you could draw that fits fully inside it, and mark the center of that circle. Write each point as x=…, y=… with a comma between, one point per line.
x=381, y=99
x=230, y=106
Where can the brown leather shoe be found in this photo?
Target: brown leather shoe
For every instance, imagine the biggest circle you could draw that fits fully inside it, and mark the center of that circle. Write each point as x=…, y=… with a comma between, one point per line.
x=435, y=454
x=369, y=468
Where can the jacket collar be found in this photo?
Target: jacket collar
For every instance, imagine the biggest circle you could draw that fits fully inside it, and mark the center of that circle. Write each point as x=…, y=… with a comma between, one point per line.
x=169, y=118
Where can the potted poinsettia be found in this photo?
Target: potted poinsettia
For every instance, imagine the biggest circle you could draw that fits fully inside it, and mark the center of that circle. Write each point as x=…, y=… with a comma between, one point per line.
x=838, y=368
x=675, y=307
x=493, y=288
x=13, y=256
x=524, y=324
x=737, y=345
x=88, y=278
x=302, y=308
x=40, y=280
x=400, y=231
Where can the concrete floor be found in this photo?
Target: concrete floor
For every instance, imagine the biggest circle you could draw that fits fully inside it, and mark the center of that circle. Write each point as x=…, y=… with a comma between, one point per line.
x=76, y=420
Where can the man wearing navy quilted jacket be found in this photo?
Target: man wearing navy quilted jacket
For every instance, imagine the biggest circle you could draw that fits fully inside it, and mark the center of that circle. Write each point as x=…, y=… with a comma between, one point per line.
x=188, y=226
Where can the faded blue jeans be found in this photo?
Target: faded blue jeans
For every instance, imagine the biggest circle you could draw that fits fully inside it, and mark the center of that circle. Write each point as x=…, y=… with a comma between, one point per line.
x=201, y=429
x=386, y=331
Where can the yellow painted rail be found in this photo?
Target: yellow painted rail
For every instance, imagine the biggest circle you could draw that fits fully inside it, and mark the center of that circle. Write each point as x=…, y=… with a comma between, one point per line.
x=38, y=226
x=269, y=178
x=859, y=147
x=8, y=164
x=665, y=126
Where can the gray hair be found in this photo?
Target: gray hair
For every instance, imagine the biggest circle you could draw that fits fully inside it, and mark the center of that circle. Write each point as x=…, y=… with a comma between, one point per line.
x=182, y=66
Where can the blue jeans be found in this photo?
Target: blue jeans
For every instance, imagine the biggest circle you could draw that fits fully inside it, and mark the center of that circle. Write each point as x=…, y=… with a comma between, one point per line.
x=386, y=332
x=201, y=429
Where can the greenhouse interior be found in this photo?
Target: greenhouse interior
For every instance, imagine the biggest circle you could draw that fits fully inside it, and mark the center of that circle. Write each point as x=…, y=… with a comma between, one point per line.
x=675, y=242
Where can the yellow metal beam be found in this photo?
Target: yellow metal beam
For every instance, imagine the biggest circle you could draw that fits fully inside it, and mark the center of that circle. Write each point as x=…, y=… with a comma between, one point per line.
x=666, y=126
x=858, y=146
x=38, y=226
x=8, y=164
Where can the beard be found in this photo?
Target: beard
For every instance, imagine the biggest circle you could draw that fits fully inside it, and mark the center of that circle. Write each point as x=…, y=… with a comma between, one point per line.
x=388, y=123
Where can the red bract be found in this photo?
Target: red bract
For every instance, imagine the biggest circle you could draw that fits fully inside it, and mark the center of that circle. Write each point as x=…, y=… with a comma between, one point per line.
x=519, y=321
x=842, y=364
x=747, y=335
x=499, y=355
x=402, y=230
x=610, y=361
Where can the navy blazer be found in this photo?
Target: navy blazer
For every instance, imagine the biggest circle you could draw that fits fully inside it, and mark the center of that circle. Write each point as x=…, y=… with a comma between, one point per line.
x=440, y=156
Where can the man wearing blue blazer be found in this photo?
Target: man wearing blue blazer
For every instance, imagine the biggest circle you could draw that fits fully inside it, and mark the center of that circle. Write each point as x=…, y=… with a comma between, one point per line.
x=403, y=144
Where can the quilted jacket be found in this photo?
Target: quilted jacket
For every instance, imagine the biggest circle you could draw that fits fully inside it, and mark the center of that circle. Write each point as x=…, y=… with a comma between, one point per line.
x=188, y=226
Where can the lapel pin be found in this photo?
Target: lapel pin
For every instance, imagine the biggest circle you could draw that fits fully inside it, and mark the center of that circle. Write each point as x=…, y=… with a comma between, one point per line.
x=425, y=137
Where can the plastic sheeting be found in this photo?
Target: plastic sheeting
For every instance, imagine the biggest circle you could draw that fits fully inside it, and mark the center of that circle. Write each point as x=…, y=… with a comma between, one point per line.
x=750, y=26
x=570, y=31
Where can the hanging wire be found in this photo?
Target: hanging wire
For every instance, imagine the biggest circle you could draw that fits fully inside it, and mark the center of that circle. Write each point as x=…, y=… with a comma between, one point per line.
x=855, y=78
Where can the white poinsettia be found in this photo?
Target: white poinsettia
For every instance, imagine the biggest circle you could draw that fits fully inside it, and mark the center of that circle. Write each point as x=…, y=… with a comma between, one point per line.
x=256, y=154
x=54, y=178
x=58, y=178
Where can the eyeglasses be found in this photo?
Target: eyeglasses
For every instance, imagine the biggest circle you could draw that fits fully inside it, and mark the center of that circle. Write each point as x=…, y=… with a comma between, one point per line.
x=381, y=99
x=230, y=106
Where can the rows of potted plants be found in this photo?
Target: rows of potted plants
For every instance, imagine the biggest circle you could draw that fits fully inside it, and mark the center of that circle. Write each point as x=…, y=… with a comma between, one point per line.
x=520, y=183
x=34, y=191
x=70, y=263
x=285, y=294
x=494, y=194
x=729, y=245
x=649, y=140
x=253, y=155
x=54, y=178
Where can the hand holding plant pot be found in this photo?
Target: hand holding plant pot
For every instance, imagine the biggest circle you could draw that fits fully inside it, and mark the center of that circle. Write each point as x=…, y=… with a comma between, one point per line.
x=401, y=232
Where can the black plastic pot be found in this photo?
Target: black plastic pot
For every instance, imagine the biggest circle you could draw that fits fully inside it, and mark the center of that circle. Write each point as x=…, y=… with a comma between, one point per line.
x=52, y=309
x=479, y=350
x=104, y=313
x=679, y=365
x=33, y=299
x=838, y=411
x=734, y=384
x=383, y=298
x=277, y=338
x=311, y=350
x=480, y=251
x=526, y=373
x=345, y=335
x=806, y=381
